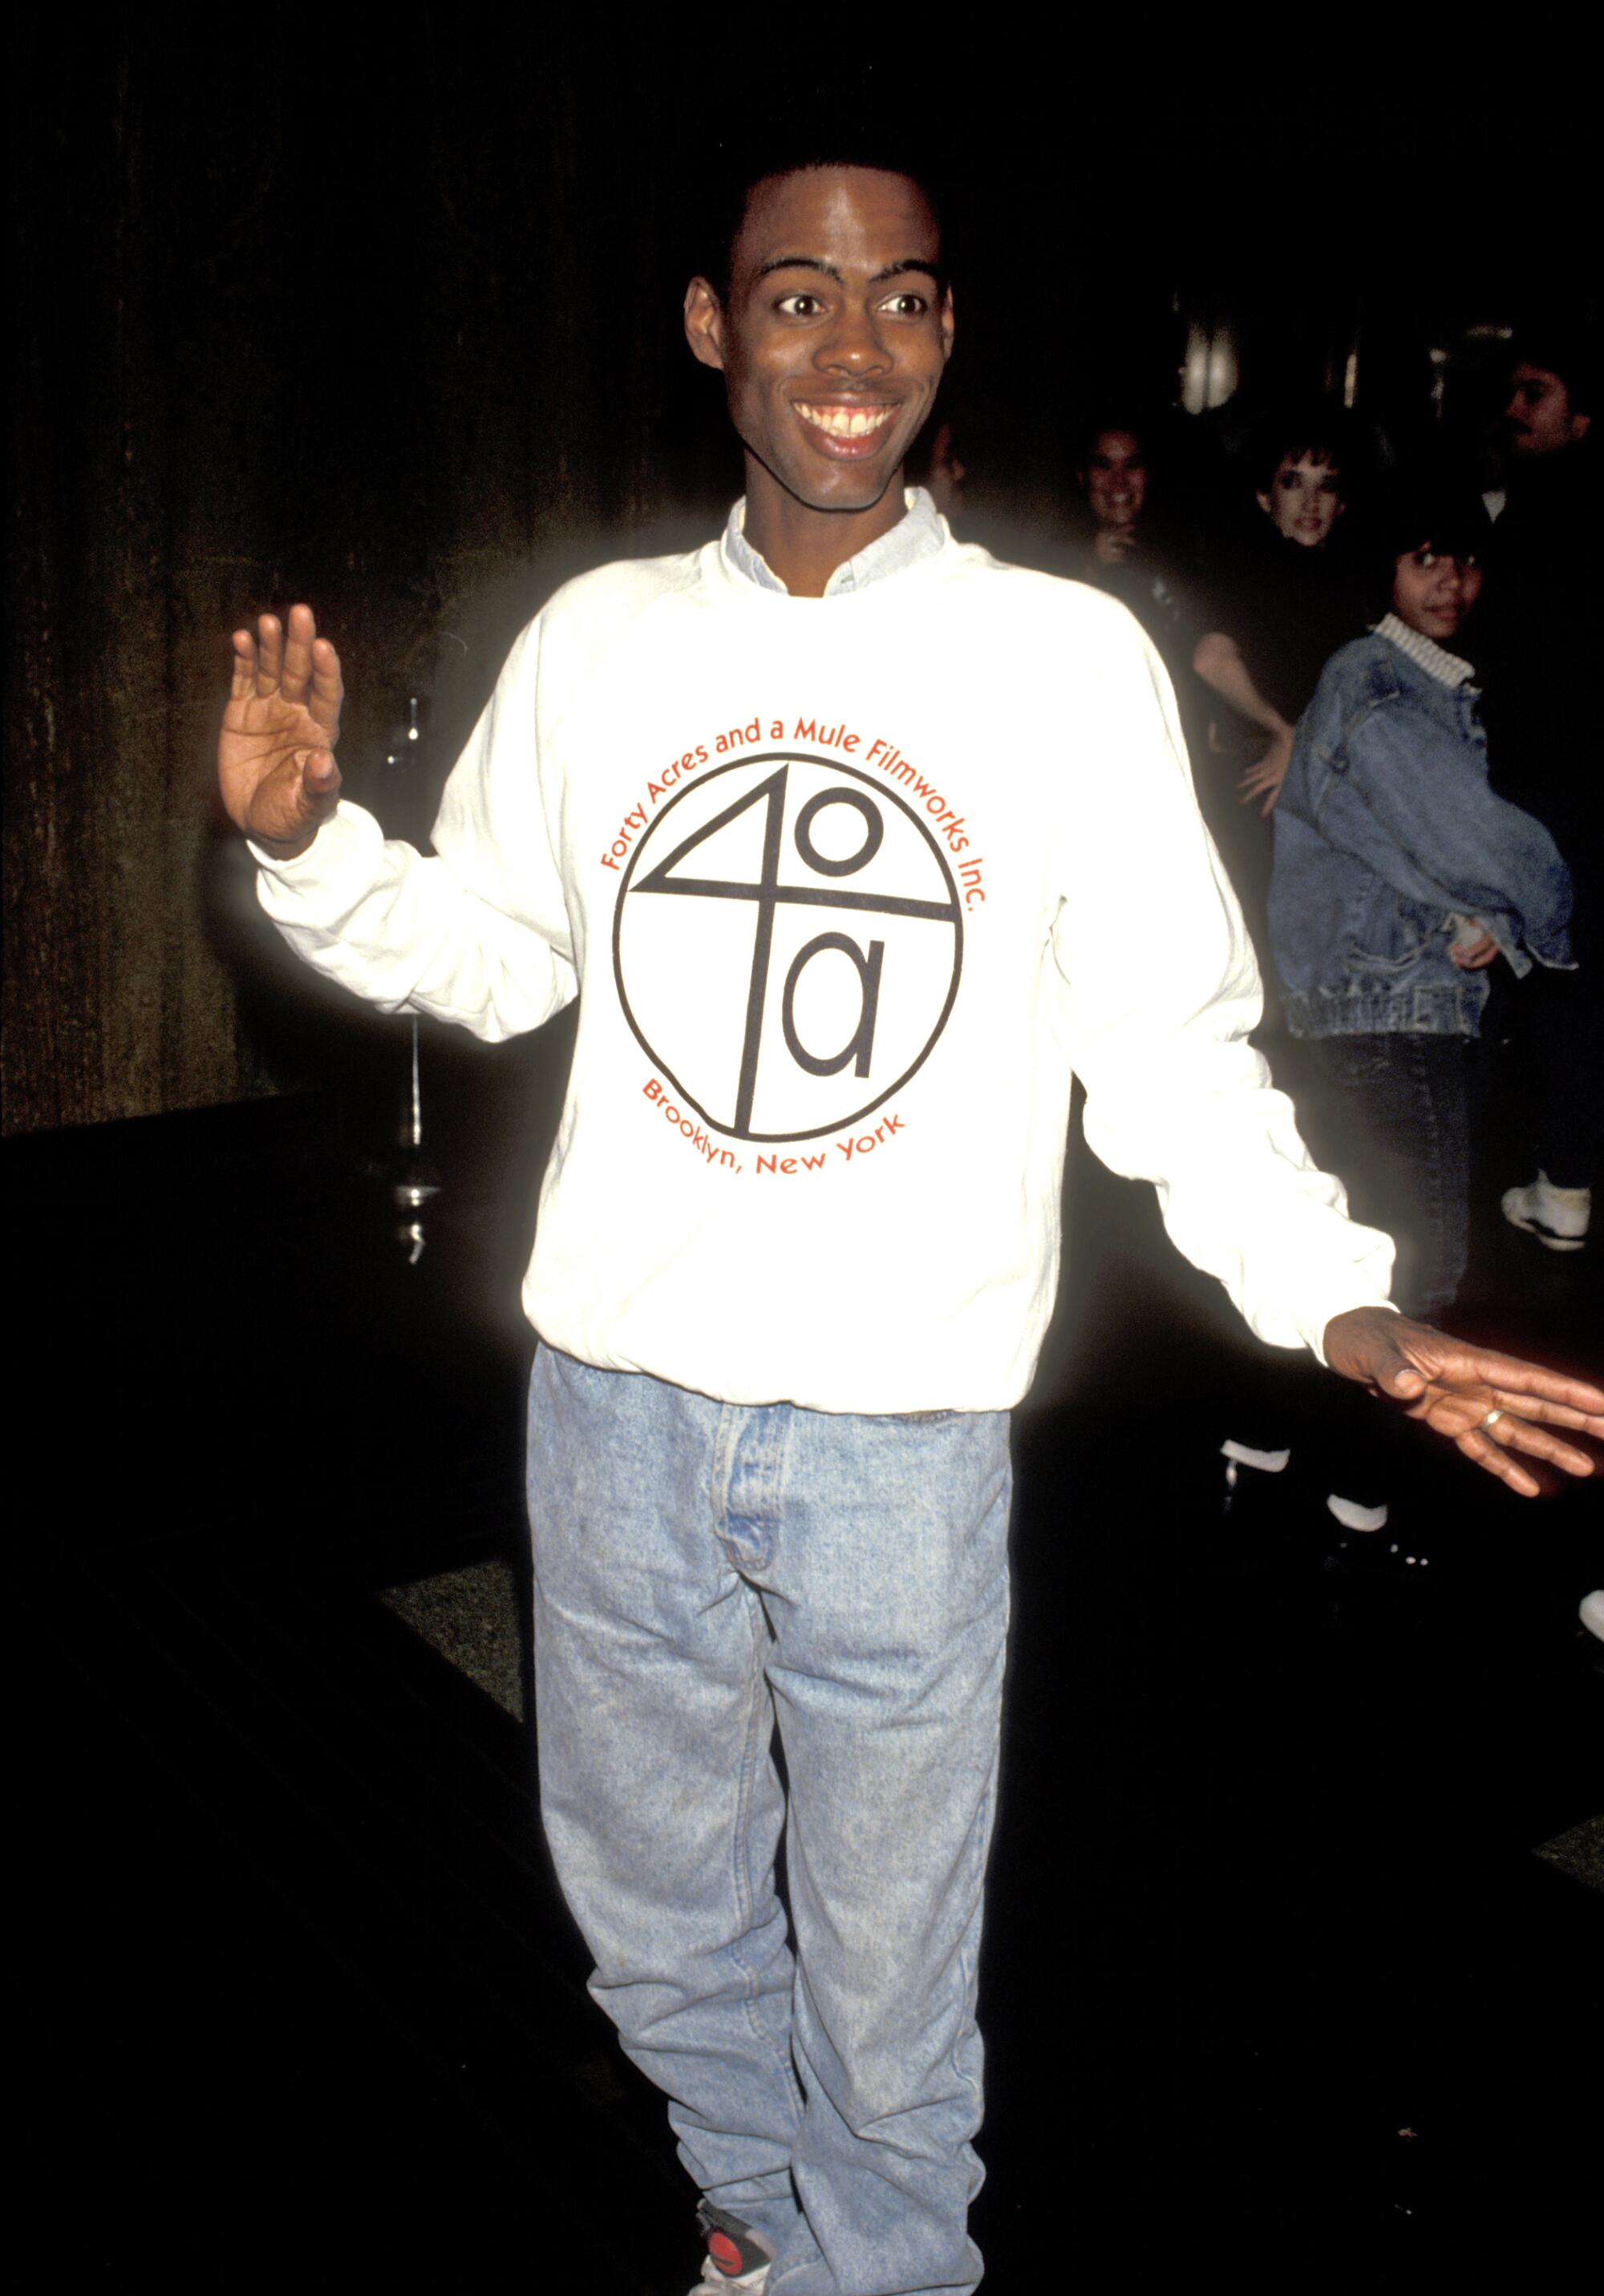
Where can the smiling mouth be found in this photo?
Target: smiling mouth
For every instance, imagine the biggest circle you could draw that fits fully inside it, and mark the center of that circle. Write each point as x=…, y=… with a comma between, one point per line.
x=845, y=423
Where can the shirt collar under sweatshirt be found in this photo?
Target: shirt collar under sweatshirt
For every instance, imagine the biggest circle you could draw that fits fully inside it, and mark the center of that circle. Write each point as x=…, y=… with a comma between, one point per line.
x=918, y=533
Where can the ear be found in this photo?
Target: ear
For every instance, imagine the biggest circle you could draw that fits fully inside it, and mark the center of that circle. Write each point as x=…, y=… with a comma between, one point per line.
x=705, y=323
x=1580, y=424
x=1264, y=503
x=946, y=327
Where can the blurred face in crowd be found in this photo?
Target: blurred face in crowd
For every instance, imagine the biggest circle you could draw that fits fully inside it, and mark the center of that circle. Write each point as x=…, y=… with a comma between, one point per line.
x=1434, y=590
x=834, y=333
x=1116, y=478
x=1304, y=500
x=1538, y=418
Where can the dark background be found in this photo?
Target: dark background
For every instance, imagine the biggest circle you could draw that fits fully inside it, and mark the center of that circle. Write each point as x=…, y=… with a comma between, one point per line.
x=382, y=310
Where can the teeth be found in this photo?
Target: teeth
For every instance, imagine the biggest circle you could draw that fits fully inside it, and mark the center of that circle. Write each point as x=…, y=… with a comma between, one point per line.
x=846, y=422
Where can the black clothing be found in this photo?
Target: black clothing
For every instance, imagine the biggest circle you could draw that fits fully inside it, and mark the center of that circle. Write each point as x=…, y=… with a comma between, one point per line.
x=1289, y=608
x=1535, y=635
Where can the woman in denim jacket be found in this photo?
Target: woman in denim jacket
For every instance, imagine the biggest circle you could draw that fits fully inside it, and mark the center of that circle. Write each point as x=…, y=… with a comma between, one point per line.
x=1399, y=877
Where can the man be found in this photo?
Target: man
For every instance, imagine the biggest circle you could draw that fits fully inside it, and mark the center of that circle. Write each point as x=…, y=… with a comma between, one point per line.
x=1549, y=406
x=1543, y=721
x=843, y=885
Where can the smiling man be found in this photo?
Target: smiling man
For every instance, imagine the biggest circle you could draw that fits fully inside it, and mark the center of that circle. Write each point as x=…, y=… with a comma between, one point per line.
x=834, y=827
x=831, y=348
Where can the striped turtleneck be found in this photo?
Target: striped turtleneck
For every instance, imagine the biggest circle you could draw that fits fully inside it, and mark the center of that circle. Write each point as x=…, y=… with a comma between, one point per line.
x=1435, y=660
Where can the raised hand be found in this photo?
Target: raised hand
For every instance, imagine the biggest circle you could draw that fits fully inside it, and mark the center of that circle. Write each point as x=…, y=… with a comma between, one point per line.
x=1456, y=1388
x=276, y=753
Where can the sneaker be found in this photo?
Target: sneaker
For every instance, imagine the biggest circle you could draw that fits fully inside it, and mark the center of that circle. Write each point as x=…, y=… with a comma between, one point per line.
x=1591, y=1613
x=1368, y=1544
x=1557, y=1217
x=737, y=2256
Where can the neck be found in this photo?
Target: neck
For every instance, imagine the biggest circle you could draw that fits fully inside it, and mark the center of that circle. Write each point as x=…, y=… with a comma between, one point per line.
x=805, y=546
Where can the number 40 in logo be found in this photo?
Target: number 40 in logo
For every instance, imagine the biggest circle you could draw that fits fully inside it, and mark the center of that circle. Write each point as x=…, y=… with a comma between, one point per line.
x=770, y=1028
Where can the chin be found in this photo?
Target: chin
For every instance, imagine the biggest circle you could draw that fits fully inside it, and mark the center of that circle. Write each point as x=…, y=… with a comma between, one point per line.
x=860, y=492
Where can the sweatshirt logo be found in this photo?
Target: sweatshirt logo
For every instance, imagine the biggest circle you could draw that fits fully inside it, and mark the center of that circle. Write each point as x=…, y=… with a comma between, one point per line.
x=787, y=943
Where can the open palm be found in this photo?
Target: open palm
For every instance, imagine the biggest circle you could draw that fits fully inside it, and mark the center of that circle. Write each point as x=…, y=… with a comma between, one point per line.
x=1458, y=1389
x=276, y=752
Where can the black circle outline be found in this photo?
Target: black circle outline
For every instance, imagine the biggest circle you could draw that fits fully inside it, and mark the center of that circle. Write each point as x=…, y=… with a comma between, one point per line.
x=834, y=765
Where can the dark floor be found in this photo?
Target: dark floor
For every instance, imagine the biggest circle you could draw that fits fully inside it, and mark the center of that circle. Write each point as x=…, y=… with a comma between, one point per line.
x=1298, y=1901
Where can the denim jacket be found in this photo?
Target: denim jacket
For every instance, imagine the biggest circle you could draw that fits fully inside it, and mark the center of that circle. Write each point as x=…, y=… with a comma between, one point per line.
x=1386, y=833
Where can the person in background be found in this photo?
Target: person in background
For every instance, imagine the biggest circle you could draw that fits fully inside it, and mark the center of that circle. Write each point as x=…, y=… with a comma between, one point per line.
x=1401, y=878
x=1290, y=598
x=1121, y=552
x=1542, y=717
x=1277, y=605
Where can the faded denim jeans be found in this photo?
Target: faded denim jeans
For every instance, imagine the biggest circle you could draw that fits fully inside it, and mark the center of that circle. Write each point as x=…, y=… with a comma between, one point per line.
x=703, y=1571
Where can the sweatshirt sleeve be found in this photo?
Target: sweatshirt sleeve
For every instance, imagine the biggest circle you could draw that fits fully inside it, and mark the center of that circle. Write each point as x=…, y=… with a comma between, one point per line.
x=478, y=934
x=1163, y=991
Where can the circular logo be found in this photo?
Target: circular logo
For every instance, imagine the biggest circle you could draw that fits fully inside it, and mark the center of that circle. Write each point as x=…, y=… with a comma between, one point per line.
x=787, y=943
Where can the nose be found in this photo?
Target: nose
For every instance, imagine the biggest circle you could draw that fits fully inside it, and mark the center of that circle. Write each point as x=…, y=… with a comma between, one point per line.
x=853, y=346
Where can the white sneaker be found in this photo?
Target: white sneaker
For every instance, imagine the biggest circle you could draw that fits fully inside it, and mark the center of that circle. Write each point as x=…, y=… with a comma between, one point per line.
x=1557, y=1217
x=737, y=2256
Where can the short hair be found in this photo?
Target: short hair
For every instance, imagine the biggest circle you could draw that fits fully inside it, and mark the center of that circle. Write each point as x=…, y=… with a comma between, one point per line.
x=1436, y=507
x=756, y=159
x=1570, y=352
x=1317, y=430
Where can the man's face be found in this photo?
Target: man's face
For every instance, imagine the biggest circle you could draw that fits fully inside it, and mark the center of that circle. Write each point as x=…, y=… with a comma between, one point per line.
x=1538, y=418
x=1433, y=591
x=1116, y=480
x=1304, y=500
x=834, y=334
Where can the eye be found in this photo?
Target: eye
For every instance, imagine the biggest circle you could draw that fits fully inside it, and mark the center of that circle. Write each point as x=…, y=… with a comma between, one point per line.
x=793, y=305
x=1424, y=558
x=907, y=305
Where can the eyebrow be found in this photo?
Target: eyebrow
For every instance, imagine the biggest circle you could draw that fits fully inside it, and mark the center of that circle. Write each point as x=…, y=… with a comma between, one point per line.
x=930, y=265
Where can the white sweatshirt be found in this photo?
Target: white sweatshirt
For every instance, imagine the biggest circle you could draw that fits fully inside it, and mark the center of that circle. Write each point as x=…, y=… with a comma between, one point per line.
x=847, y=888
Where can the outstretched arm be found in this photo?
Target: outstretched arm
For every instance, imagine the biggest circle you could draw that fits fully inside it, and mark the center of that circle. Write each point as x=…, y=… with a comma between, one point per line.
x=276, y=753
x=1458, y=1389
x=1218, y=662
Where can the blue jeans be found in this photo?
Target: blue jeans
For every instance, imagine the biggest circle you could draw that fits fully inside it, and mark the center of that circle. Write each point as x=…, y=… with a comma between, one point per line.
x=701, y=1571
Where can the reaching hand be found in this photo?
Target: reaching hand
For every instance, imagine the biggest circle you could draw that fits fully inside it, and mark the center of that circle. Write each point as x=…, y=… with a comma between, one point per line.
x=1474, y=956
x=1456, y=1388
x=1264, y=779
x=1113, y=543
x=276, y=753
